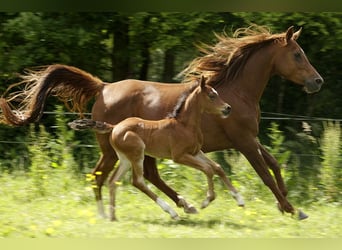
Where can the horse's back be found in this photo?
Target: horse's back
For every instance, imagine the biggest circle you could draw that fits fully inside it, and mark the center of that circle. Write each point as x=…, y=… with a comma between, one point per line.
x=128, y=98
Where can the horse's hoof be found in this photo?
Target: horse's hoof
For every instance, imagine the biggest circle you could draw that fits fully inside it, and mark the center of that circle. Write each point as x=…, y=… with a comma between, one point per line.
x=280, y=208
x=204, y=204
x=302, y=215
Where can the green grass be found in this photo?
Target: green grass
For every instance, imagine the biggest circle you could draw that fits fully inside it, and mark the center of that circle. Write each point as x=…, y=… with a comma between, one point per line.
x=70, y=212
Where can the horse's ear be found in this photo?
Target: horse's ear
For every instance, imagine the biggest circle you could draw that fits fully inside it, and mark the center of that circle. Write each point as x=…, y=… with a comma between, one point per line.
x=297, y=34
x=289, y=34
x=202, y=82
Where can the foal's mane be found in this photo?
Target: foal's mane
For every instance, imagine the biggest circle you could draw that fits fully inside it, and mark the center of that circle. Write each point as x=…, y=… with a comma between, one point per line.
x=181, y=101
x=225, y=60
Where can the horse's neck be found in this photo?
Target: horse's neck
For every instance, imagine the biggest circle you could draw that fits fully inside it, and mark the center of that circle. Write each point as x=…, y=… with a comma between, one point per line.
x=252, y=81
x=190, y=115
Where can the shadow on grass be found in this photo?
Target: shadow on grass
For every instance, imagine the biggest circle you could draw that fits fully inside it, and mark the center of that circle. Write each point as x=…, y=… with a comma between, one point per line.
x=210, y=223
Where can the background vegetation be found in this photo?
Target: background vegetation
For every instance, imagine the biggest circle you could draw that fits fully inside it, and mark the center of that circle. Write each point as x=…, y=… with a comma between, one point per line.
x=47, y=163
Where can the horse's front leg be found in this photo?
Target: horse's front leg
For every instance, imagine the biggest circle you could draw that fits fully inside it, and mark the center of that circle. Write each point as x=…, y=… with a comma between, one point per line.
x=274, y=166
x=250, y=149
x=151, y=174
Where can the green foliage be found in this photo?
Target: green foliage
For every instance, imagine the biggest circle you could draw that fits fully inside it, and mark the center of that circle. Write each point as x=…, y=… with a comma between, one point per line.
x=277, y=147
x=303, y=170
x=331, y=171
x=63, y=157
x=40, y=159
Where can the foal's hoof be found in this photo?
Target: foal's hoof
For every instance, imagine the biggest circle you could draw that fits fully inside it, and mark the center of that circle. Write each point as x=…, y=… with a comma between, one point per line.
x=191, y=210
x=175, y=217
x=302, y=215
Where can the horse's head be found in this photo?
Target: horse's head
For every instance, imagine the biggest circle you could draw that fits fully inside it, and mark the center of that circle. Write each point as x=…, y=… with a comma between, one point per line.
x=291, y=63
x=213, y=103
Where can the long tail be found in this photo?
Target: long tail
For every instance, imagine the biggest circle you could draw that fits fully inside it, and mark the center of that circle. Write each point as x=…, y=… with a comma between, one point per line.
x=83, y=124
x=73, y=86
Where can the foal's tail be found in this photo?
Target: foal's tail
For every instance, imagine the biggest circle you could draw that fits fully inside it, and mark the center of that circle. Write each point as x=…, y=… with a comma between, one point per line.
x=71, y=85
x=83, y=124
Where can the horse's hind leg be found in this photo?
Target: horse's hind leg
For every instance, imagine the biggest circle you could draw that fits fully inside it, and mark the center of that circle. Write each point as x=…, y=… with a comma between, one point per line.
x=102, y=169
x=117, y=175
x=151, y=174
x=101, y=172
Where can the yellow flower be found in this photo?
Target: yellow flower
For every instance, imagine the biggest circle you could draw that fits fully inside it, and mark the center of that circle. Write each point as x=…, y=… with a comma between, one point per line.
x=57, y=223
x=90, y=177
x=92, y=221
x=49, y=231
x=98, y=173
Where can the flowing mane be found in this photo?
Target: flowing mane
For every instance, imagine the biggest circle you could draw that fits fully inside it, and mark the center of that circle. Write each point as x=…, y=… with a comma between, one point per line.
x=181, y=101
x=225, y=60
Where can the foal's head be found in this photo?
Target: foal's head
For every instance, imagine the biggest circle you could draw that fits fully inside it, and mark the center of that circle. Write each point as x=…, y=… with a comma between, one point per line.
x=211, y=102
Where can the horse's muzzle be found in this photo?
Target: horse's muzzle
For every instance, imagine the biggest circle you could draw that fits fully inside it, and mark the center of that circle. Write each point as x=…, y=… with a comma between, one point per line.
x=226, y=111
x=314, y=85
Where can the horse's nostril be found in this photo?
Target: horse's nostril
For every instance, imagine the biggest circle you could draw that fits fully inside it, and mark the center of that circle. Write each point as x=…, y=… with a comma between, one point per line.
x=226, y=110
x=319, y=80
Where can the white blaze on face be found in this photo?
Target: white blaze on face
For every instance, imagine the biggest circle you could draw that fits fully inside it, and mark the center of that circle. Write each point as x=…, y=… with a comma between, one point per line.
x=214, y=90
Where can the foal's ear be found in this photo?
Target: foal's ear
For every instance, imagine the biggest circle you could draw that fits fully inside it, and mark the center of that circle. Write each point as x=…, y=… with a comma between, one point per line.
x=202, y=82
x=289, y=34
x=297, y=33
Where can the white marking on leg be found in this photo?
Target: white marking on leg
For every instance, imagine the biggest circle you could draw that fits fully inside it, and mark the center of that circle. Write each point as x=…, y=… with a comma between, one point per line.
x=259, y=151
x=188, y=208
x=237, y=196
x=166, y=207
x=100, y=208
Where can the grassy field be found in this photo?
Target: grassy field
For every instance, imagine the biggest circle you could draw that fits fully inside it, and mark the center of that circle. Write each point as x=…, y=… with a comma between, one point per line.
x=68, y=211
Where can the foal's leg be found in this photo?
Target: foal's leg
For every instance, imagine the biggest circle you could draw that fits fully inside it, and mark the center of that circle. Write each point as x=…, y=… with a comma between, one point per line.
x=151, y=174
x=220, y=172
x=138, y=182
x=133, y=147
x=196, y=161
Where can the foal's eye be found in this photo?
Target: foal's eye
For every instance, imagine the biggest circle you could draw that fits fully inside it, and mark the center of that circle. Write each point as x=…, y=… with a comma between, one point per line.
x=298, y=56
x=212, y=96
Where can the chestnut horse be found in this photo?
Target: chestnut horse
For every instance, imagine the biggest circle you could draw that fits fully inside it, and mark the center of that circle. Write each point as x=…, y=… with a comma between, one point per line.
x=177, y=137
x=239, y=67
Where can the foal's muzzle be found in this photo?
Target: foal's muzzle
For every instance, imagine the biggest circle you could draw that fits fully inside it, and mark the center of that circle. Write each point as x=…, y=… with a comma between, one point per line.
x=226, y=111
